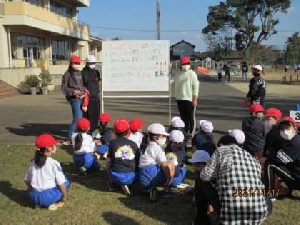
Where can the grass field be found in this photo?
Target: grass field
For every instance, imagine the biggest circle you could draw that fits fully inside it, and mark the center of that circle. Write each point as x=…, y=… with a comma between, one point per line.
x=89, y=201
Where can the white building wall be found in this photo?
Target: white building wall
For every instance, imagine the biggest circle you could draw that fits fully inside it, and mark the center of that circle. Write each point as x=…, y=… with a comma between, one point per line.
x=4, y=43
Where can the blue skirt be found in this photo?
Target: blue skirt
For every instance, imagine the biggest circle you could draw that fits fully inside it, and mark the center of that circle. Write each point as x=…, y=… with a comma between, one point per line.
x=86, y=160
x=122, y=178
x=177, y=180
x=151, y=176
x=47, y=197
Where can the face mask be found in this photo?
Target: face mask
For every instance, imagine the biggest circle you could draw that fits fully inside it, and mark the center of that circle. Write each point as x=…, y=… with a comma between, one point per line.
x=256, y=74
x=287, y=134
x=185, y=67
x=92, y=66
x=76, y=67
x=161, y=141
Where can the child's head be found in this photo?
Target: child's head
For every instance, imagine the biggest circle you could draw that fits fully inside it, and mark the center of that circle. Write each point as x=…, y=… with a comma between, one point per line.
x=104, y=118
x=176, y=140
x=83, y=125
x=199, y=160
x=273, y=115
x=257, y=70
x=121, y=128
x=238, y=135
x=177, y=123
x=46, y=146
x=206, y=126
x=227, y=140
x=287, y=128
x=136, y=125
x=256, y=110
x=157, y=133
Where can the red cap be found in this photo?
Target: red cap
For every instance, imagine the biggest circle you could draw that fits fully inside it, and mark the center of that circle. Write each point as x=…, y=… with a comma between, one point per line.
x=83, y=124
x=290, y=119
x=185, y=60
x=136, y=124
x=256, y=108
x=273, y=112
x=45, y=140
x=121, y=125
x=104, y=117
x=75, y=59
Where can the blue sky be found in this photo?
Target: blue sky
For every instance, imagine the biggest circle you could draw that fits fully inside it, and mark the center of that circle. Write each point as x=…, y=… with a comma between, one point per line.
x=176, y=15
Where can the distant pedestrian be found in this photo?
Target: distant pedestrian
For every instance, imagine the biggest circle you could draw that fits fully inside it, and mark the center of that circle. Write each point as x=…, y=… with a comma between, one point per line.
x=91, y=78
x=286, y=68
x=226, y=69
x=219, y=70
x=244, y=71
x=186, y=94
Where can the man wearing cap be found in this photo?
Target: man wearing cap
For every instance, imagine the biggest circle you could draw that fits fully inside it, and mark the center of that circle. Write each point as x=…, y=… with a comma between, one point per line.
x=257, y=87
x=186, y=94
x=284, y=158
x=91, y=78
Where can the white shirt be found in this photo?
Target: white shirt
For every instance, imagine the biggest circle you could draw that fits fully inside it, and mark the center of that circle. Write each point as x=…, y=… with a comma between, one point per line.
x=154, y=155
x=137, y=138
x=48, y=176
x=88, y=145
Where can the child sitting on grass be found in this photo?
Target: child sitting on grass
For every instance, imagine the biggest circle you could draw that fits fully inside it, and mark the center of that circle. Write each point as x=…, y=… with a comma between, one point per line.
x=136, y=135
x=46, y=183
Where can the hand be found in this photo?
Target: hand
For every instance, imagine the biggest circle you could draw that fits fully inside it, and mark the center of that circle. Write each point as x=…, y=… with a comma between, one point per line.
x=195, y=102
x=98, y=142
x=63, y=198
x=84, y=108
x=76, y=92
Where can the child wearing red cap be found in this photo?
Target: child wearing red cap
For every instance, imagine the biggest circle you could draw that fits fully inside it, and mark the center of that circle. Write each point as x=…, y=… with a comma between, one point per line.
x=284, y=158
x=136, y=135
x=122, y=158
x=84, y=147
x=103, y=135
x=254, y=129
x=46, y=183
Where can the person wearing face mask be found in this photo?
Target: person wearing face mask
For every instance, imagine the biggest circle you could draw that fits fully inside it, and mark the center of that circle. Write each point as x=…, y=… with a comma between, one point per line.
x=186, y=94
x=257, y=87
x=91, y=78
x=284, y=158
x=73, y=89
x=254, y=129
x=154, y=168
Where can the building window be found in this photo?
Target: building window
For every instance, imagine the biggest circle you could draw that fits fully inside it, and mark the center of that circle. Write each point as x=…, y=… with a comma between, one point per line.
x=60, y=9
x=35, y=2
x=60, y=50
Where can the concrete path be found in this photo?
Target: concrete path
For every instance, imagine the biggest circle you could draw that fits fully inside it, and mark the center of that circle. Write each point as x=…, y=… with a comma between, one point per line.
x=24, y=117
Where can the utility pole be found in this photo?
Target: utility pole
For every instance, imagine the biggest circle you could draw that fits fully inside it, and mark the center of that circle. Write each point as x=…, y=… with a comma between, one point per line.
x=157, y=20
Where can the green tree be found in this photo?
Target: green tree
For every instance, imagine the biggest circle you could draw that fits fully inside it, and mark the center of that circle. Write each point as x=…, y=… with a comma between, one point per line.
x=292, y=54
x=253, y=20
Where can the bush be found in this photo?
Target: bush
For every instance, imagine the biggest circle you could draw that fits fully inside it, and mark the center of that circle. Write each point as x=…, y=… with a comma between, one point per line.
x=32, y=80
x=45, y=77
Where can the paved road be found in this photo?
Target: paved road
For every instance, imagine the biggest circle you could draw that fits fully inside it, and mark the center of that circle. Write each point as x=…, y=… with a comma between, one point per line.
x=23, y=117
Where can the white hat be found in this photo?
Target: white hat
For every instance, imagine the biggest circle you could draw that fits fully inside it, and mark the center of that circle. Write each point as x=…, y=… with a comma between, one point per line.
x=199, y=156
x=258, y=67
x=238, y=135
x=157, y=128
x=90, y=59
x=178, y=123
x=176, y=136
x=206, y=126
x=175, y=118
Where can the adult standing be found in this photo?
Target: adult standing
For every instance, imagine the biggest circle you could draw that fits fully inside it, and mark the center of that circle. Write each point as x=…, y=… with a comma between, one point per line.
x=226, y=68
x=244, y=71
x=186, y=94
x=91, y=78
x=73, y=89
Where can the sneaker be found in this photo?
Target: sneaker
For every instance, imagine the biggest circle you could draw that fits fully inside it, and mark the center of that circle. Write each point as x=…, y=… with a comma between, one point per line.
x=53, y=207
x=153, y=194
x=82, y=171
x=111, y=186
x=126, y=190
x=168, y=193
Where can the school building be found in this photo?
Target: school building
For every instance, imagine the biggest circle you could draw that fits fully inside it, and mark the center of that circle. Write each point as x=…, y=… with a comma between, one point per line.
x=44, y=33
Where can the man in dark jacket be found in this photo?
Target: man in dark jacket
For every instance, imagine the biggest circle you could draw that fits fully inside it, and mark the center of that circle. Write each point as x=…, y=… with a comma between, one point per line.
x=284, y=158
x=255, y=131
x=91, y=78
x=244, y=71
x=257, y=87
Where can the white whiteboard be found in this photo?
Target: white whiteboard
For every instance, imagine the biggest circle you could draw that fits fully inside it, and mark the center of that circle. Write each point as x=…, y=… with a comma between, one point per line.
x=135, y=65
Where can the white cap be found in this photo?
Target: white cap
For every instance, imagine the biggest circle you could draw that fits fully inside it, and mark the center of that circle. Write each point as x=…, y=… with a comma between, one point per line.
x=176, y=136
x=157, y=128
x=175, y=118
x=90, y=59
x=200, y=156
x=206, y=126
x=178, y=123
x=238, y=135
x=258, y=67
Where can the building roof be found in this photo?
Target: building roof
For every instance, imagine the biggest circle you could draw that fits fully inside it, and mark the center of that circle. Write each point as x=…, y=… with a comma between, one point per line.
x=182, y=42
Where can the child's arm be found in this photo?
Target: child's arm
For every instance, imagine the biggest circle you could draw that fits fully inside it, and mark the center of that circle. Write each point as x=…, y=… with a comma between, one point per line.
x=28, y=185
x=63, y=190
x=169, y=169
